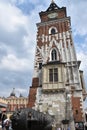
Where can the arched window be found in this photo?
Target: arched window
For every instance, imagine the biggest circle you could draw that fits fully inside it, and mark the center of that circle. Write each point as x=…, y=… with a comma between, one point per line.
x=54, y=55
x=53, y=31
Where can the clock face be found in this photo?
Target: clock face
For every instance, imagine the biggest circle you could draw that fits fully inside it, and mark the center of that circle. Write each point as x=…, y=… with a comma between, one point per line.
x=52, y=15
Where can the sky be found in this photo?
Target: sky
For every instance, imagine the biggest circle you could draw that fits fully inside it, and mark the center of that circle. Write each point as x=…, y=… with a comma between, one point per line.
x=18, y=20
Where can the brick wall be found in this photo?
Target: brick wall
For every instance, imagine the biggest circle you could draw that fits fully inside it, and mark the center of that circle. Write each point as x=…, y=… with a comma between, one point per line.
x=32, y=97
x=44, y=15
x=77, y=109
x=35, y=82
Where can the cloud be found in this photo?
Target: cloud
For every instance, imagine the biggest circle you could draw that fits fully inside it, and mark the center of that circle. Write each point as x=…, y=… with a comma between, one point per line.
x=20, y=90
x=13, y=28
x=16, y=48
x=11, y=62
x=81, y=49
x=79, y=17
x=14, y=79
x=82, y=56
x=11, y=17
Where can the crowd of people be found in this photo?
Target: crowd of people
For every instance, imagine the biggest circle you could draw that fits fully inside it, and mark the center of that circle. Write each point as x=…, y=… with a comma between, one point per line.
x=5, y=122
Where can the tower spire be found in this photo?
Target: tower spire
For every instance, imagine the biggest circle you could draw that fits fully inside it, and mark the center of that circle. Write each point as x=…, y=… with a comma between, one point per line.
x=52, y=1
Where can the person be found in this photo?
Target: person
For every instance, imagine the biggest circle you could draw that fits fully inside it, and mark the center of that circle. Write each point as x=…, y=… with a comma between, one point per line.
x=3, y=117
x=68, y=128
x=0, y=120
x=7, y=123
x=77, y=126
x=0, y=125
x=59, y=128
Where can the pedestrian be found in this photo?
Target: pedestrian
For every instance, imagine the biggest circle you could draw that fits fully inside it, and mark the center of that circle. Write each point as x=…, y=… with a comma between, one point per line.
x=0, y=120
x=7, y=123
x=59, y=128
x=68, y=128
x=3, y=117
x=77, y=126
x=0, y=125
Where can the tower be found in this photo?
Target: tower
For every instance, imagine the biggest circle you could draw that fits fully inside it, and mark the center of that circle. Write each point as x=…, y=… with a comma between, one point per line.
x=57, y=84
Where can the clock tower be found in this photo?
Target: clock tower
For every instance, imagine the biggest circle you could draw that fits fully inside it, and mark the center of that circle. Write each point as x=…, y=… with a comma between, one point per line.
x=57, y=84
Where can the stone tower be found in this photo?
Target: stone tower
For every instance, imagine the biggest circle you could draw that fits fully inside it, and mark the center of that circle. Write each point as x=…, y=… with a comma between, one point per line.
x=57, y=84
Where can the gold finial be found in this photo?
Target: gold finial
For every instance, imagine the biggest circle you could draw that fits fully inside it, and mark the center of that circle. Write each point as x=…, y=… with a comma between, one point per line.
x=52, y=1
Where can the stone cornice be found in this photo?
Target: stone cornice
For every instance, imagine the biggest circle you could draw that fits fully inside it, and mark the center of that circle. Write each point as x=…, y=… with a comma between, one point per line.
x=53, y=21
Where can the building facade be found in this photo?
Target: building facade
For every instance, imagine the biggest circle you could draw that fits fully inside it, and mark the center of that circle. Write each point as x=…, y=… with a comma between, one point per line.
x=15, y=103
x=3, y=104
x=57, y=84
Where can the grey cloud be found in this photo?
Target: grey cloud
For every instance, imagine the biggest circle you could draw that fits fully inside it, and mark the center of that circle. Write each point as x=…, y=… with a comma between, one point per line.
x=14, y=40
x=3, y=51
x=9, y=80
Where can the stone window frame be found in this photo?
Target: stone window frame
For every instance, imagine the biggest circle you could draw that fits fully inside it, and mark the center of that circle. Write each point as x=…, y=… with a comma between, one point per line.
x=50, y=30
x=54, y=56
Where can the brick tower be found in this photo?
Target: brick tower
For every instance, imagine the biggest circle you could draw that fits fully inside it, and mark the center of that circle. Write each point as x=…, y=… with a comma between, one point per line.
x=57, y=84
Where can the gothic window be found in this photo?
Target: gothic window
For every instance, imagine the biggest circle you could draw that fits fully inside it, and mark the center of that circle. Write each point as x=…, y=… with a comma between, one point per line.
x=53, y=75
x=54, y=55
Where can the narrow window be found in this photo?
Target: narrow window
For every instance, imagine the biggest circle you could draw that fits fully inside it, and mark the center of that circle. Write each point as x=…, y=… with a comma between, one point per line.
x=76, y=112
x=40, y=65
x=53, y=75
x=54, y=55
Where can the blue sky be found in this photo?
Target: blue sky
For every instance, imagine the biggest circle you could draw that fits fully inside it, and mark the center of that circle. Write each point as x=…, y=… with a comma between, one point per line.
x=18, y=20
